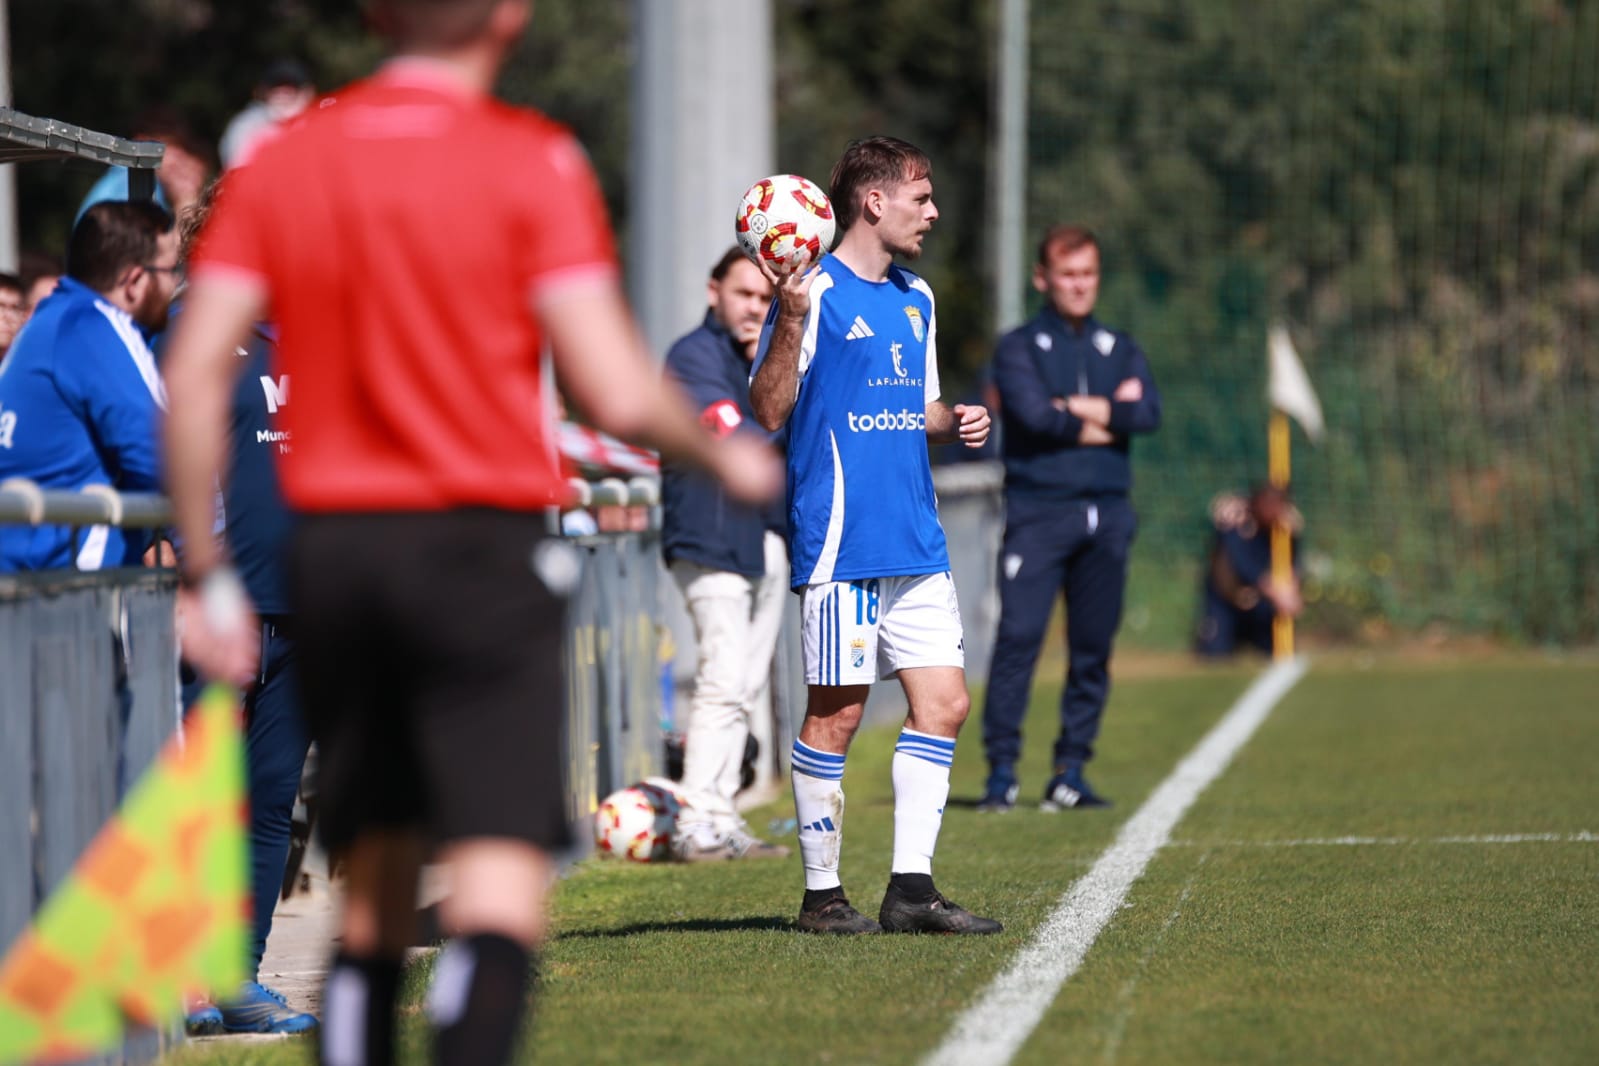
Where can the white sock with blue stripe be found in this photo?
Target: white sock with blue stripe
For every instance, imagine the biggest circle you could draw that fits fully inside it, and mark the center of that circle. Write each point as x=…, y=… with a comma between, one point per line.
x=921, y=786
x=819, y=809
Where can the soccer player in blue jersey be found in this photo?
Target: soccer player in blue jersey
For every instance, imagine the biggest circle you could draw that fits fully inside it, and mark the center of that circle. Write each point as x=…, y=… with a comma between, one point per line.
x=848, y=362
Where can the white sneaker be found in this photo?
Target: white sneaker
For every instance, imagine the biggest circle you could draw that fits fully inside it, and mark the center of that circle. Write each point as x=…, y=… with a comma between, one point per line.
x=746, y=845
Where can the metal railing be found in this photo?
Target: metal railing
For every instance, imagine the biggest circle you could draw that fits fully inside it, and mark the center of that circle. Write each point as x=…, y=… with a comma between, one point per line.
x=88, y=678
x=88, y=667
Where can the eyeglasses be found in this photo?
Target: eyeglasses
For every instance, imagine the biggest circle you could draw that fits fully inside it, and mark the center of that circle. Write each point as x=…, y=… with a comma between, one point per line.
x=161, y=269
x=9, y=308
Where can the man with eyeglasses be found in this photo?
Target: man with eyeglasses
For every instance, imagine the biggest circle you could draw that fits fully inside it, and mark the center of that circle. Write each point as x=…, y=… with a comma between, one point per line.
x=80, y=396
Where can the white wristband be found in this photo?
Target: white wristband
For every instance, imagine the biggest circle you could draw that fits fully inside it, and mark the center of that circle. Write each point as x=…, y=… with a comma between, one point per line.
x=223, y=600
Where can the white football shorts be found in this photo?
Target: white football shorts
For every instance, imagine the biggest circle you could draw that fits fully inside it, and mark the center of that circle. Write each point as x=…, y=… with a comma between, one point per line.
x=857, y=632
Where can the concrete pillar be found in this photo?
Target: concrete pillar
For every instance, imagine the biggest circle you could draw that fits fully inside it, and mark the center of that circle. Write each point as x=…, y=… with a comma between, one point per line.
x=702, y=134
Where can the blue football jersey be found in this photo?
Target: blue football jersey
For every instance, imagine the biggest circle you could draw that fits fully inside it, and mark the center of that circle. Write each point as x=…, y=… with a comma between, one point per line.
x=860, y=487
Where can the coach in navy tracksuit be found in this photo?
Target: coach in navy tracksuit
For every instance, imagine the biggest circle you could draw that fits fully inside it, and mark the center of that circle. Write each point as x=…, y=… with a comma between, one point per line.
x=1072, y=393
x=257, y=527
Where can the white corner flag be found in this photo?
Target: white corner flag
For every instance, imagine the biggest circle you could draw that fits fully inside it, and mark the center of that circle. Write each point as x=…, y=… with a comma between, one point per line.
x=1288, y=386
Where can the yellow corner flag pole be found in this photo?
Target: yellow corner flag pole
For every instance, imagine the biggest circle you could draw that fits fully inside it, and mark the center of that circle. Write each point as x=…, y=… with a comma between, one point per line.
x=1289, y=391
x=1282, y=563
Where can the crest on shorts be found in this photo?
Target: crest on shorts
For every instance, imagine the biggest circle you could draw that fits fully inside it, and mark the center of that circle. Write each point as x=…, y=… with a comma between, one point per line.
x=857, y=653
x=917, y=326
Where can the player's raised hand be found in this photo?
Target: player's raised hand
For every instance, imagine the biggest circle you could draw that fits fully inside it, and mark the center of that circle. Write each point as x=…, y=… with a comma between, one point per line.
x=794, y=288
x=974, y=423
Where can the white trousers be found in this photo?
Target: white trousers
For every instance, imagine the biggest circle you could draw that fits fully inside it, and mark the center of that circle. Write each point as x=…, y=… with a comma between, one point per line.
x=736, y=624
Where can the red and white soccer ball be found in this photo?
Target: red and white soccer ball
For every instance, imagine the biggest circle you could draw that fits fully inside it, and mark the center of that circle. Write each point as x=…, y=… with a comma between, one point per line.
x=784, y=221
x=637, y=822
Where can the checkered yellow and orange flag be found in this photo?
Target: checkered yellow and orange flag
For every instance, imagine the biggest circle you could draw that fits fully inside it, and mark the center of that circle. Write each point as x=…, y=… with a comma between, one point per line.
x=155, y=909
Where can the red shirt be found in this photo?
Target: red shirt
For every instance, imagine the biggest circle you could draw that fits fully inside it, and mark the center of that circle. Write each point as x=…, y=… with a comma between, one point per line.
x=401, y=233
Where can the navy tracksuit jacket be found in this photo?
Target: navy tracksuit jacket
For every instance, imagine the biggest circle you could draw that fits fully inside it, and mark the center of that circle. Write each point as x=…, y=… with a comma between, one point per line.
x=698, y=522
x=1068, y=522
x=257, y=527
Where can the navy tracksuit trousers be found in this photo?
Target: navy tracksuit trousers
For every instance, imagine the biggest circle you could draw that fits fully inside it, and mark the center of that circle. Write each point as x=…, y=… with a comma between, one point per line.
x=1075, y=547
x=275, y=744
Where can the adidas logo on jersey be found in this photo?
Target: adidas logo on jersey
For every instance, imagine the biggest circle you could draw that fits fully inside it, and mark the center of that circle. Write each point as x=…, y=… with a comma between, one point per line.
x=858, y=330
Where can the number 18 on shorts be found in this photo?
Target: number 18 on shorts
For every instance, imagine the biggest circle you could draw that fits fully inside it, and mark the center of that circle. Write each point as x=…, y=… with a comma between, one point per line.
x=857, y=632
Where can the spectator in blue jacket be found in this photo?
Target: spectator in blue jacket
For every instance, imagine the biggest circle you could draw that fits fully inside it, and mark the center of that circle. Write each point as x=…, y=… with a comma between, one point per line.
x=717, y=551
x=80, y=395
x=1073, y=393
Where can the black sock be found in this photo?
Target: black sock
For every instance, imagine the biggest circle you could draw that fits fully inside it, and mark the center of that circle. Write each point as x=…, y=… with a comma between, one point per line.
x=815, y=897
x=358, y=1012
x=478, y=999
x=913, y=888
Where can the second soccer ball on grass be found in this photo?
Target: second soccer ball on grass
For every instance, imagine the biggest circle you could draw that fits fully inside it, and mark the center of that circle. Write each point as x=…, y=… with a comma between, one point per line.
x=637, y=822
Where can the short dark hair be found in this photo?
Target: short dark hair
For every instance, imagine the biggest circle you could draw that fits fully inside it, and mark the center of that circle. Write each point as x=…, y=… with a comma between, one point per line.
x=13, y=283
x=441, y=23
x=1066, y=238
x=724, y=264
x=112, y=236
x=868, y=163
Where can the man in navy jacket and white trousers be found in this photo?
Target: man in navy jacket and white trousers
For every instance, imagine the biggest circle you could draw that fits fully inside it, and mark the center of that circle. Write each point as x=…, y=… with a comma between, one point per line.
x=1072, y=392
x=731, y=568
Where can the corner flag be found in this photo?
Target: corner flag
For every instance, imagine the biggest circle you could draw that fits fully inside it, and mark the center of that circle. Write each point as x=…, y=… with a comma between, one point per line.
x=1288, y=386
x=155, y=908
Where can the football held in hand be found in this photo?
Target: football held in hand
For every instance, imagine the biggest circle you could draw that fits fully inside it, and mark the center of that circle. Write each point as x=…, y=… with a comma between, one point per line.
x=784, y=221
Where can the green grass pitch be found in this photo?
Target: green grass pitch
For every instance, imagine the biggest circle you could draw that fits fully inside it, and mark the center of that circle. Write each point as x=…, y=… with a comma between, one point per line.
x=1402, y=865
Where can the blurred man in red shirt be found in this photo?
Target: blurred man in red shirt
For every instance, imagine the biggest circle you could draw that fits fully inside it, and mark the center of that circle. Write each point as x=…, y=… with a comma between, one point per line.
x=418, y=245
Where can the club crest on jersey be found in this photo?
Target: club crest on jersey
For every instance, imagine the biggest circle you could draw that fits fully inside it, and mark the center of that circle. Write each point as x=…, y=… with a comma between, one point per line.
x=1104, y=340
x=917, y=326
x=857, y=653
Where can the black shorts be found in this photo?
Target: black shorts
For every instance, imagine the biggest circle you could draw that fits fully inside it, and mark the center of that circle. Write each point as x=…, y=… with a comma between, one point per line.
x=432, y=673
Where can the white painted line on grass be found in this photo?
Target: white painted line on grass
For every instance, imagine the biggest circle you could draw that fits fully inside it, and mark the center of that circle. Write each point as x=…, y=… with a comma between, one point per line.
x=991, y=1030
x=1334, y=842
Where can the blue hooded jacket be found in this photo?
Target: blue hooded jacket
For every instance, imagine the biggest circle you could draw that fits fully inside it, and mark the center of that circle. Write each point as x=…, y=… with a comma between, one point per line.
x=80, y=402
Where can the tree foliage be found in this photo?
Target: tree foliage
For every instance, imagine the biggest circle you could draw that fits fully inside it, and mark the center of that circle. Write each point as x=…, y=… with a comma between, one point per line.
x=1413, y=186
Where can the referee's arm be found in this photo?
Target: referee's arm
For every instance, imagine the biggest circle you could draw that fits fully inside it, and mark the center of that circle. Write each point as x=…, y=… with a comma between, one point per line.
x=603, y=365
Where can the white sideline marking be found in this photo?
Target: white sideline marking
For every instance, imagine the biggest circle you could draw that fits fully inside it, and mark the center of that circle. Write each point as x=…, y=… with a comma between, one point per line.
x=1333, y=842
x=992, y=1029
